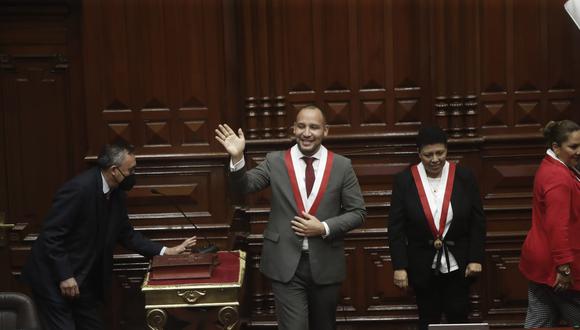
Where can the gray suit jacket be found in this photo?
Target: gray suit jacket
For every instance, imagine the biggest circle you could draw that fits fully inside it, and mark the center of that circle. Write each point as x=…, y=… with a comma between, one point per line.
x=342, y=208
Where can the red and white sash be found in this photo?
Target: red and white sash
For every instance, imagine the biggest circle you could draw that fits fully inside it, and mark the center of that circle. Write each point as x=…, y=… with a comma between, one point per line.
x=437, y=233
x=320, y=182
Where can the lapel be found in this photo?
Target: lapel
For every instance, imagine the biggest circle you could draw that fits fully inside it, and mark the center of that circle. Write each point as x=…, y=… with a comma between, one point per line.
x=460, y=202
x=114, y=203
x=556, y=163
x=104, y=223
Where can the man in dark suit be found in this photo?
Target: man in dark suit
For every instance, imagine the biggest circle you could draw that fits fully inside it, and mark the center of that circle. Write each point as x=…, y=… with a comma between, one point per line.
x=436, y=231
x=70, y=265
x=316, y=200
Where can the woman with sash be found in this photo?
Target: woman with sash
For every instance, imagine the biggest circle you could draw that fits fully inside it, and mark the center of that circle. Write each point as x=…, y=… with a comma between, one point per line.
x=436, y=231
x=550, y=257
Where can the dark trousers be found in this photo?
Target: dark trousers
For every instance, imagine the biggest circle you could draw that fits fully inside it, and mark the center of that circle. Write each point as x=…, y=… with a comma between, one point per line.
x=445, y=294
x=302, y=304
x=60, y=313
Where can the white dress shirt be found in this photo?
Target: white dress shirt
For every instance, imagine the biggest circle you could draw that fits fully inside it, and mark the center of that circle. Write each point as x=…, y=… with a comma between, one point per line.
x=435, y=198
x=299, y=170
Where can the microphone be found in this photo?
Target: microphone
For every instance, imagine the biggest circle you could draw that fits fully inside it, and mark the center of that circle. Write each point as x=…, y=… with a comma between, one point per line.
x=210, y=248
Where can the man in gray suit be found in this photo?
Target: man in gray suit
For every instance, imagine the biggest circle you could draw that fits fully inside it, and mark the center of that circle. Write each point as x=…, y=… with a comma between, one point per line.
x=316, y=200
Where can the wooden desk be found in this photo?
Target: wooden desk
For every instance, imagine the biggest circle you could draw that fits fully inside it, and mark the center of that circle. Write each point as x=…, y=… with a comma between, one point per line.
x=189, y=301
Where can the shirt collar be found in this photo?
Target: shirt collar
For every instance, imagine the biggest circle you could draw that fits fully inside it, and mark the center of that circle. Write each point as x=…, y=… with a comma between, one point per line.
x=551, y=153
x=317, y=155
x=575, y=172
x=106, y=187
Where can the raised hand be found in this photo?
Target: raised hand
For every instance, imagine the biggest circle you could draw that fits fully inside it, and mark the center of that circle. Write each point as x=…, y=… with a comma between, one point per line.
x=234, y=144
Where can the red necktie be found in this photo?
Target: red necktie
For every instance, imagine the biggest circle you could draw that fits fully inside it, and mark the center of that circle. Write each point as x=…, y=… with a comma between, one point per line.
x=309, y=174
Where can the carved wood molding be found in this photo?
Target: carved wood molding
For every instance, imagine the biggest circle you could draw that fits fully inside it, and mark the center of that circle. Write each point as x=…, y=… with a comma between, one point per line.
x=27, y=8
x=59, y=62
x=266, y=117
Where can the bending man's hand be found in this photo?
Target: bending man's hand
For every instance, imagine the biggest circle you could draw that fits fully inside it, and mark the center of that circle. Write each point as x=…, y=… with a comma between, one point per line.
x=234, y=144
x=400, y=279
x=188, y=243
x=308, y=225
x=69, y=288
x=472, y=269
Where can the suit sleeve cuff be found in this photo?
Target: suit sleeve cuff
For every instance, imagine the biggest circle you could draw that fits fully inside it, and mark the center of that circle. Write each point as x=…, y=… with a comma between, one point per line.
x=162, y=252
x=326, y=230
x=237, y=166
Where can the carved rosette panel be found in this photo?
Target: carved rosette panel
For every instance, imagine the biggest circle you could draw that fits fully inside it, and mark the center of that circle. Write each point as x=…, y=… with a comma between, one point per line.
x=228, y=317
x=156, y=319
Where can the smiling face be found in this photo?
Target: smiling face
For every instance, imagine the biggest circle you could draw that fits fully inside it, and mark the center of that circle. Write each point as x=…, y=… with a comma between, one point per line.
x=433, y=157
x=569, y=151
x=309, y=130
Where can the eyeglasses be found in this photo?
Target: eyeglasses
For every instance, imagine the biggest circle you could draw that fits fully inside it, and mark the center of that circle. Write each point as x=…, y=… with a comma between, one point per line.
x=131, y=172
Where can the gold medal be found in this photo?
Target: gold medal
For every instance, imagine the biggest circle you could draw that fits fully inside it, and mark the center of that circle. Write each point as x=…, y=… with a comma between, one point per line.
x=438, y=244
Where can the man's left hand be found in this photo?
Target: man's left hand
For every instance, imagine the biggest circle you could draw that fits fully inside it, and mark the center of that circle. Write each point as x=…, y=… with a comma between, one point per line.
x=308, y=225
x=473, y=269
x=185, y=246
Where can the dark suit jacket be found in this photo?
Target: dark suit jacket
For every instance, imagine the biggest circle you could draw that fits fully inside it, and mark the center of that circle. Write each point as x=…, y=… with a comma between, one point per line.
x=409, y=232
x=73, y=234
x=342, y=207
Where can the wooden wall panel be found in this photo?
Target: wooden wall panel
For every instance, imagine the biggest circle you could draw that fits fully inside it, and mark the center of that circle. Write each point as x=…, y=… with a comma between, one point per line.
x=191, y=187
x=24, y=114
x=505, y=296
x=340, y=55
x=163, y=74
x=521, y=56
x=156, y=75
x=371, y=67
x=40, y=107
x=407, y=28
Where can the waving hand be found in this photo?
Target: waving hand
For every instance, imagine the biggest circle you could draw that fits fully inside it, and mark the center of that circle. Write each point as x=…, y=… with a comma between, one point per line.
x=234, y=144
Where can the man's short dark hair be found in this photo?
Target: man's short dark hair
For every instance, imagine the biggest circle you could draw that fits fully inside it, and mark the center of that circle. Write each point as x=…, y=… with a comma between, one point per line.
x=114, y=154
x=431, y=135
x=312, y=106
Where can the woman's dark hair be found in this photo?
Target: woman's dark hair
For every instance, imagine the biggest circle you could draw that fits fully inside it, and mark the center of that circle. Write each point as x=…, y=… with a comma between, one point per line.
x=431, y=135
x=114, y=154
x=558, y=131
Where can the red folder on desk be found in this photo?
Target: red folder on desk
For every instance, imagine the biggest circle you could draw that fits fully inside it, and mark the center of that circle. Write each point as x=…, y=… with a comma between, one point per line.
x=183, y=266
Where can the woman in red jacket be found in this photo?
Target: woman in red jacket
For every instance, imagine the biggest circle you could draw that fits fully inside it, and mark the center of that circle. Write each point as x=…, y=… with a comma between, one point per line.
x=550, y=257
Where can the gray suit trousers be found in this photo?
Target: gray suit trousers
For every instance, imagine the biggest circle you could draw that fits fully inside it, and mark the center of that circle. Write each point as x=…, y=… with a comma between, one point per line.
x=302, y=304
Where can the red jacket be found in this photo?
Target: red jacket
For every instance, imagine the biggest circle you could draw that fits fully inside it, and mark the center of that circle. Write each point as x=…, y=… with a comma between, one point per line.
x=554, y=238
